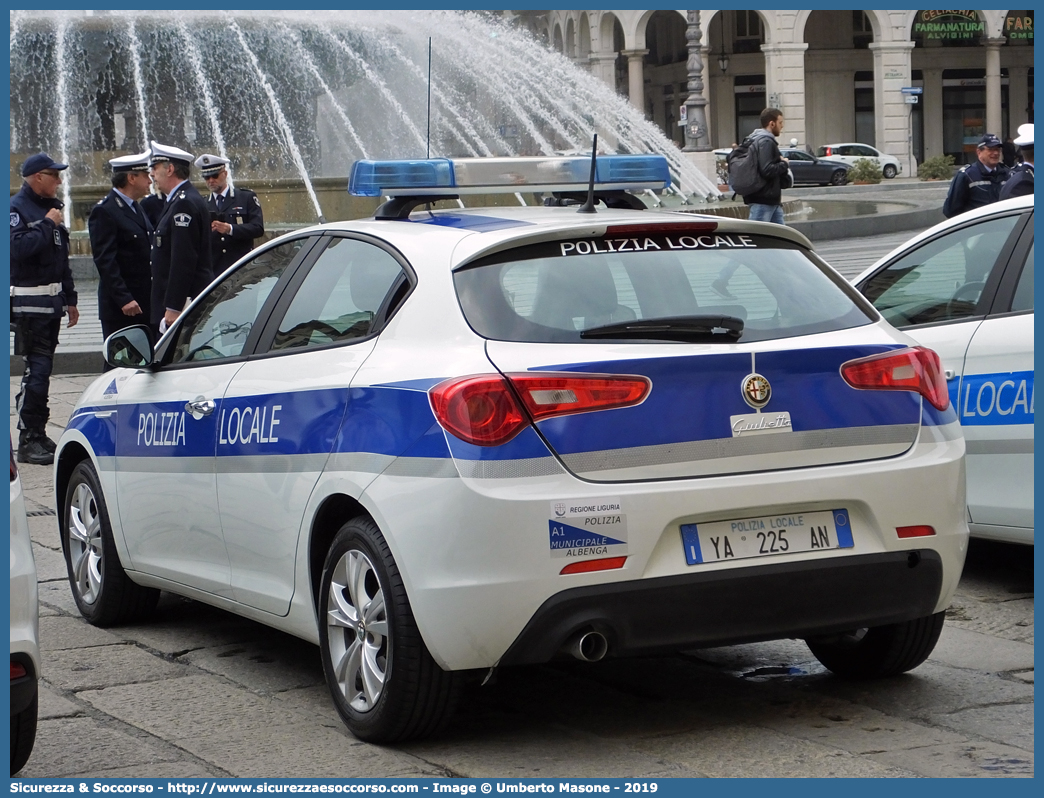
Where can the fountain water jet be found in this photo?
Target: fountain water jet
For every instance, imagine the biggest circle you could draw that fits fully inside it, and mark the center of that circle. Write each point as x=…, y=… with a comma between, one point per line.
x=139, y=84
x=321, y=90
x=284, y=125
x=63, y=122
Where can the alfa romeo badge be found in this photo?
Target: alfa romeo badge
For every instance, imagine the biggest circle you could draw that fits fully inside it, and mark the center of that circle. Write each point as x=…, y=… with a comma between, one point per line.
x=756, y=391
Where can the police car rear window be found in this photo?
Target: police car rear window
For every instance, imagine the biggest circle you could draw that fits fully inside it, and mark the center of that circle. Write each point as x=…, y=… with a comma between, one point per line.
x=552, y=292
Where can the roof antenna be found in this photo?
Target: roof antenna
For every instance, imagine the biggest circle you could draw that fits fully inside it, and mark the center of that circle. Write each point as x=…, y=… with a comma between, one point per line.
x=589, y=206
x=427, y=151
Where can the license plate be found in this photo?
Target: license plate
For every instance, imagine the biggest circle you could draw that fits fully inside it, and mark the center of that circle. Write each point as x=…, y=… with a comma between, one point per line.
x=766, y=536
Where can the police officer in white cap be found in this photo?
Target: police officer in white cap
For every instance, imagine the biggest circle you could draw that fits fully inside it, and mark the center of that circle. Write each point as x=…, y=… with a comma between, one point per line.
x=120, y=235
x=181, y=266
x=236, y=217
x=1021, y=181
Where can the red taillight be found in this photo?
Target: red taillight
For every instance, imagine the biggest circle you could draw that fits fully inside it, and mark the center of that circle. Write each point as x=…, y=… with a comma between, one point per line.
x=914, y=531
x=587, y=566
x=916, y=369
x=546, y=395
x=17, y=670
x=829, y=151
x=483, y=409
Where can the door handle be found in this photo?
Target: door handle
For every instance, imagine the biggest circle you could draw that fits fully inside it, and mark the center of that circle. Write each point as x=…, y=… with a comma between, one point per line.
x=199, y=407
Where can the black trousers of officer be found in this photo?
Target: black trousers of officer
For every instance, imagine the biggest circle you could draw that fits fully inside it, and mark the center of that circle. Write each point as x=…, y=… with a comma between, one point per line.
x=31, y=402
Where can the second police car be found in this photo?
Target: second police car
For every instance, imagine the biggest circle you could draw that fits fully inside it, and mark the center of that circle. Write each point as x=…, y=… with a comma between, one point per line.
x=965, y=288
x=438, y=442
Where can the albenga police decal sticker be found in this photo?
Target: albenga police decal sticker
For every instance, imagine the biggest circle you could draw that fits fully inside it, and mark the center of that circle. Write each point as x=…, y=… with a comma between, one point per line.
x=580, y=528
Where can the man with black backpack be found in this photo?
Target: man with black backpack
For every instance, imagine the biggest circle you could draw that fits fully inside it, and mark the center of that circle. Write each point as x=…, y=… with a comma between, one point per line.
x=758, y=173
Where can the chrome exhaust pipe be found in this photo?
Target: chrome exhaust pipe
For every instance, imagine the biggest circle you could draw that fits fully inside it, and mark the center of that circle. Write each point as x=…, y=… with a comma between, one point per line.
x=589, y=646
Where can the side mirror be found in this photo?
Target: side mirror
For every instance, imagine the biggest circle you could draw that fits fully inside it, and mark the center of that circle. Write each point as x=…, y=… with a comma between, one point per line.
x=130, y=347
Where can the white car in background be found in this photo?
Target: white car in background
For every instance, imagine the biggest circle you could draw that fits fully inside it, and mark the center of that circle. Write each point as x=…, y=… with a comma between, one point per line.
x=850, y=152
x=25, y=635
x=965, y=289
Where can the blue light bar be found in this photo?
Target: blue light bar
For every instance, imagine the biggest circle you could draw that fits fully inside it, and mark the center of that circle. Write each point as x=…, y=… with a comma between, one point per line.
x=632, y=169
x=375, y=178
x=507, y=175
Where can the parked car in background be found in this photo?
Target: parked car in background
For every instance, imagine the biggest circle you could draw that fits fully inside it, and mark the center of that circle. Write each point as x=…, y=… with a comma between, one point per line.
x=851, y=152
x=818, y=171
x=965, y=289
x=25, y=648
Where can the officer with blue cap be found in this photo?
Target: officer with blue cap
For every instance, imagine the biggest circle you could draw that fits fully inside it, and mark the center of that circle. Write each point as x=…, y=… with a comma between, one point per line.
x=120, y=234
x=980, y=182
x=1021, y=181
x=42, y=292
x=181, y=264
x=235, y=213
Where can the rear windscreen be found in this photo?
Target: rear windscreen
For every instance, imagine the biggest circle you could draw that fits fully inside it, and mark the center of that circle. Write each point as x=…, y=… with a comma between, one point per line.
x=552, y=292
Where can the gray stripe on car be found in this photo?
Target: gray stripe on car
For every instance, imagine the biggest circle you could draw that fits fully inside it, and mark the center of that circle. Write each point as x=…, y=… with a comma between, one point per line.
x=430, y=467
x=164, y=465
x=896, y=438
x=1011, y=446
x=360, y=462
x=510, y=469
x=271, y=463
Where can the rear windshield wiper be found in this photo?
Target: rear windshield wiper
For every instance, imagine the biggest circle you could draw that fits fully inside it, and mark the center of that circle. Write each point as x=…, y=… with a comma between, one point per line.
x=673, y=328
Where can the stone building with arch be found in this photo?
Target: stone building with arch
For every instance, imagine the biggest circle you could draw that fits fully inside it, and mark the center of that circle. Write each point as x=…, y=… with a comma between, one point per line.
x=836, y=75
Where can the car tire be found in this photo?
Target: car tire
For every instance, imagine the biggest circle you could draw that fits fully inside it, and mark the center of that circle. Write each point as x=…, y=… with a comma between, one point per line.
x=23, y=735
x=889, y=171
x=103, y=592
x=881, y=651
x=384, y=682
x=839, y=177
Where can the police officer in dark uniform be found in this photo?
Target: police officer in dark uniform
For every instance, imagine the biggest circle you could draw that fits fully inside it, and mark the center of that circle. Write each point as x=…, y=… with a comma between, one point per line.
x=41, y=293
x=236, y=217
x=120, y=241
x=978, y=183
x=181, y=265
x=1021, y=181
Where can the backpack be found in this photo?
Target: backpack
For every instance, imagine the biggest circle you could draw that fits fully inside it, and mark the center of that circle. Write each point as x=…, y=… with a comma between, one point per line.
x=744, y=176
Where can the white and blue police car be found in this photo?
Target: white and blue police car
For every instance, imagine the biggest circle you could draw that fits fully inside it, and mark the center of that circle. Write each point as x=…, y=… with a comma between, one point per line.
x=436, y=442
x=965, y=289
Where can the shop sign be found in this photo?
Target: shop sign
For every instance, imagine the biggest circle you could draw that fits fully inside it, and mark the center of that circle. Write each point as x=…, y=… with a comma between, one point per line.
x=1018, y=27
x=948, y=25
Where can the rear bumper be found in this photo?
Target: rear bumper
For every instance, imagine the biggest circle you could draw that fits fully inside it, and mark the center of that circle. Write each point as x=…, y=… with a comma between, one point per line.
x=797, y=599
x=24, y=689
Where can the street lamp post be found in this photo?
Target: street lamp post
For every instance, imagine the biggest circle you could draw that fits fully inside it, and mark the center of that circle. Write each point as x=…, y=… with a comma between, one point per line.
x=696, y=134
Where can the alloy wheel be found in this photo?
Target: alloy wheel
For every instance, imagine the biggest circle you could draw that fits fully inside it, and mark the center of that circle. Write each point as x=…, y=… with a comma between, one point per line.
x=357, y=628
x=85, y=543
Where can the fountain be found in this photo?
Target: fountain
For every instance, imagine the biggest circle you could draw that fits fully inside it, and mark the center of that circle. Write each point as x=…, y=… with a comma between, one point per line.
x=294, y=98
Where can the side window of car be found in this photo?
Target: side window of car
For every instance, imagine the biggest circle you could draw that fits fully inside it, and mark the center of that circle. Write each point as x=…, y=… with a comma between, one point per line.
x=218, y=327
x=340, y=296
x=866, y=152
x=847, y=150
x=941, y=280
x=1023, y=299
